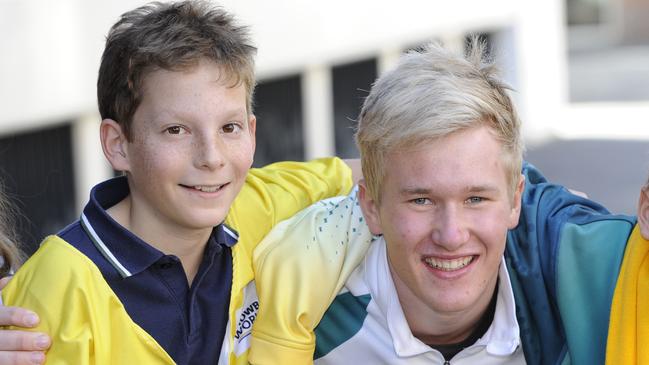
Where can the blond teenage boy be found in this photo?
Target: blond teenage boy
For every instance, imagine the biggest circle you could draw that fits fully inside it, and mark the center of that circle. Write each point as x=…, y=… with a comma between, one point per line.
x=154, y=270
x=443, y=280
x=441, y=155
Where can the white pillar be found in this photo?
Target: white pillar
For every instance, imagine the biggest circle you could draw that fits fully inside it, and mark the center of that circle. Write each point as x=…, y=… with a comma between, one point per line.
x=317, y=101
x=542, y=59
x=505, y=54
x=453, y=41
x=90, y=166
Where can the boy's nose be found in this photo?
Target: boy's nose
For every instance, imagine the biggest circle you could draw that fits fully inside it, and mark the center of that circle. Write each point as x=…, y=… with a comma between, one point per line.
x=450, y=230
x=209, y=154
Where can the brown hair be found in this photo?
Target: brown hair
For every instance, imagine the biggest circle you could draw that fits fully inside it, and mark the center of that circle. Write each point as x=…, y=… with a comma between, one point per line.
x=171, y=36
x=9, y=252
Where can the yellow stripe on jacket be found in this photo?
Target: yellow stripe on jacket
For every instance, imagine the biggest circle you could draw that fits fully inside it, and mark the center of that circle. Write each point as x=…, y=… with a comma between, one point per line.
x=628, y=333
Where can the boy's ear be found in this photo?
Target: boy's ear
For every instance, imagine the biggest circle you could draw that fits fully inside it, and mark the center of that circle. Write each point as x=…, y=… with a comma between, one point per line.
x=252, y=129
x=370, y=209
x=643, y=213
x=515, y=212
x=113, y=143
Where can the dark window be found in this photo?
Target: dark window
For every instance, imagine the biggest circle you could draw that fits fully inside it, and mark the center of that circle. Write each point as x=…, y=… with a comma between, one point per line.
x=486, y=38
x=351, y=85
x=37, y=171
x=580, y=12
x=278, y=107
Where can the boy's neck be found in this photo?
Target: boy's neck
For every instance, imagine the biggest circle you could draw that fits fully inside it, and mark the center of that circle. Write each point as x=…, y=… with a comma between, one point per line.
x=187, y=244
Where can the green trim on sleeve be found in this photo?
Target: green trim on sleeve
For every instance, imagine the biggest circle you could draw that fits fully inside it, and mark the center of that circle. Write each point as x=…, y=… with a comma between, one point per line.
x=342, y=321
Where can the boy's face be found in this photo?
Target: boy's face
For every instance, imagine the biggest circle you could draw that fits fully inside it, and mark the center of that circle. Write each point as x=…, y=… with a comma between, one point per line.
x=191, y=146
x=445, y=211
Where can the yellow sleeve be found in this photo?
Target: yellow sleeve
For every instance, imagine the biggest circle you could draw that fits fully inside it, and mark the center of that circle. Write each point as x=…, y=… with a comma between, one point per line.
x=274, y=193
x=86, y=320
x=628, y=331
x=299, y=268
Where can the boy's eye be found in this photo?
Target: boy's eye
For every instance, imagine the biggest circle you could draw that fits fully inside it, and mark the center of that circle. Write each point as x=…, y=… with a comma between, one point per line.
x=175, y=129
x=231, y=128
x=475, y=200
x=420, y=201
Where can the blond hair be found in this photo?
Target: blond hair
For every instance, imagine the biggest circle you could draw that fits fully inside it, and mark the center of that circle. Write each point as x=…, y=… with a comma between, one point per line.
x=433, y=93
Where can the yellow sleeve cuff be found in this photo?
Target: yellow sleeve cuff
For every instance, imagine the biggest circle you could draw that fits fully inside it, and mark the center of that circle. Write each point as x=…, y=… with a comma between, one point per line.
x=267, y=350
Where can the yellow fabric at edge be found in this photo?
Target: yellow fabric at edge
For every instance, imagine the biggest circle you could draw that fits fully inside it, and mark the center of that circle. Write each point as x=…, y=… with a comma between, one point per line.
x=86, y=320
x=628, y=333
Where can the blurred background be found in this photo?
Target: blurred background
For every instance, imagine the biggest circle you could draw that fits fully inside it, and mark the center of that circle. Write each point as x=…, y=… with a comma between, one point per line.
x=580, y=69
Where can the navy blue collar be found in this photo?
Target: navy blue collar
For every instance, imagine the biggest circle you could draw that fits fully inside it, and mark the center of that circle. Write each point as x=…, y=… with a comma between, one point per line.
x=125, y=251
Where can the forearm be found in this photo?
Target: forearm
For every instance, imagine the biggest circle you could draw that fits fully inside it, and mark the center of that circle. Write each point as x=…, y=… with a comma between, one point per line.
x=321, y=246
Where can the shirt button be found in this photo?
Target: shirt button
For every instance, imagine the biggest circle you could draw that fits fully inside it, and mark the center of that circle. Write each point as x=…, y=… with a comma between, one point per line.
x=165, y=265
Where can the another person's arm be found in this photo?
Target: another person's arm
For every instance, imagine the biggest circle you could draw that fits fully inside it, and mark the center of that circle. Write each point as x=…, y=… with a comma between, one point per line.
x=17, y=347
x=564, y=258
x=300, y=267
x=20, y=347
x=276, y=192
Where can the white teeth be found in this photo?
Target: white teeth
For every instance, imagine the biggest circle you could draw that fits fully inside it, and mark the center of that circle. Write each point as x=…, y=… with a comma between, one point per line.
x=449, y=265
x=208, y=189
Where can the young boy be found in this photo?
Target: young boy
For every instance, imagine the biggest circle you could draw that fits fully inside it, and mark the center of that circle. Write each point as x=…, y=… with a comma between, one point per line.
x=151, y=273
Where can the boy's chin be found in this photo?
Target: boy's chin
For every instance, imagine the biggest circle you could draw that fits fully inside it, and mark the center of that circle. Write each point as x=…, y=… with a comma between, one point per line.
x=206, y=221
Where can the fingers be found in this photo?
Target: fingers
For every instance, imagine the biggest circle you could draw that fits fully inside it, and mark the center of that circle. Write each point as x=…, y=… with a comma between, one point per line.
x=20, y=347
x=19, y=317
x=21, y=358
x=3, y=282
x=11, y=341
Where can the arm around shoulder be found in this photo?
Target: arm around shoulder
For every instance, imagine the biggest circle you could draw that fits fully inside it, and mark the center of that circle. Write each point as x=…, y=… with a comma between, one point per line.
x=300, y=267
x=278, y=191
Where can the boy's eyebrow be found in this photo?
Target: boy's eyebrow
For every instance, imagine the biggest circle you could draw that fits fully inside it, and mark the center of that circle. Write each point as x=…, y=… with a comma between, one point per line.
x=236, y=111
x=414, y=191
x=184, y=115
x=470, y=189
x=482, y=189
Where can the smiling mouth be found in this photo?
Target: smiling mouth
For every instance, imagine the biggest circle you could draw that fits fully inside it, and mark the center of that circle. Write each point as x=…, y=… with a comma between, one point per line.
x=448, y=265
x=205, y=188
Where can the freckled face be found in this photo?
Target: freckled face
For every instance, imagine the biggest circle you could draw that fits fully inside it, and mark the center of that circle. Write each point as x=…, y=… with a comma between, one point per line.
x=191, y=146
x=445, y=211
